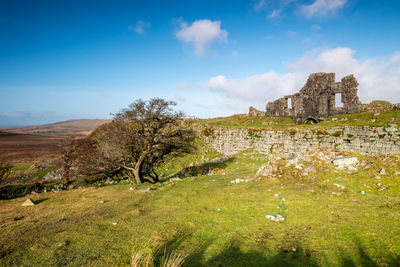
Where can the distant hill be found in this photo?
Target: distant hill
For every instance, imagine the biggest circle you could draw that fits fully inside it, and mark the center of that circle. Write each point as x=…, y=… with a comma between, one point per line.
x=70, y=127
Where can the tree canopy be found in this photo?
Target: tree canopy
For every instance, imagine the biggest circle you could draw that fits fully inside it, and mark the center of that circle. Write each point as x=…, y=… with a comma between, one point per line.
x=138, y=139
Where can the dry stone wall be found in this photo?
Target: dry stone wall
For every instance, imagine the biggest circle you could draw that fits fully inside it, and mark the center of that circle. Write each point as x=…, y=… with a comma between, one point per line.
x=364, y=140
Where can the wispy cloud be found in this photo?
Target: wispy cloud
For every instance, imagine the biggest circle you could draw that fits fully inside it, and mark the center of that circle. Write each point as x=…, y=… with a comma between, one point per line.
x=141, y=27
x=274, y=14
x=273, y=7
x=321, y=8
x=201, y=34
x=317, y=8
x=291, y=34
x=260, y=5
x=315, y=28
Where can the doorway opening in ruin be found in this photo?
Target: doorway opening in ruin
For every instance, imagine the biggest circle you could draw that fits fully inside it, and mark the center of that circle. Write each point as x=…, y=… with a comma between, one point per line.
x=338, y=100
x=289, y=102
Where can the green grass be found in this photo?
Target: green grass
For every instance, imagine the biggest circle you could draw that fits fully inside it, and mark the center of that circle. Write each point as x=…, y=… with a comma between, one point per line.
x=23, y=166
x=242, y=121
x=356, y=119
x=363, y=119
x=214, y=222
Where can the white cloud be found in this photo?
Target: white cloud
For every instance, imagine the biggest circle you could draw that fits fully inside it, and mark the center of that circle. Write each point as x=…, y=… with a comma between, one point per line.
x=140, y=27
x=201, y=34
x=256, y=89
x=395, y=58
x=321, y=8
x=378, y=78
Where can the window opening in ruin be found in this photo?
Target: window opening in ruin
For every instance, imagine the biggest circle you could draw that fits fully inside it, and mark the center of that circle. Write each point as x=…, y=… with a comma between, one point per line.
x=338, y=100
x=289, y=102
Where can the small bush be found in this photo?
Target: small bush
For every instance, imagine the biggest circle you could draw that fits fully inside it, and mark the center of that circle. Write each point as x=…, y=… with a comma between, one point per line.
x=5, y=170
x=337, y=133
x=208, y=131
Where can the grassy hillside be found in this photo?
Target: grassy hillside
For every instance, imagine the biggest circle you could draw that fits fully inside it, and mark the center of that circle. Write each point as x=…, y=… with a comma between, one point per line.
x=355, y=119
x=214, y=222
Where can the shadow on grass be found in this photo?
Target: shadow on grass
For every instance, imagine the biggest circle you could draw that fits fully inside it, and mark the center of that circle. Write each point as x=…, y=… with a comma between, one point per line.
x=203, y=168
x=290, y=254
x=233, y=255
x=362, y=258
x=40, y=200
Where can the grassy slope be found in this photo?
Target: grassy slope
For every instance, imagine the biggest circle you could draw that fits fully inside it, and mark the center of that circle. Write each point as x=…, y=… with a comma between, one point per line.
x=355, y=119
x=213, y=221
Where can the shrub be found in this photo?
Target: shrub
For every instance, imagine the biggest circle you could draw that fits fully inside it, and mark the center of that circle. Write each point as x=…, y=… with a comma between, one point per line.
x=5, y=170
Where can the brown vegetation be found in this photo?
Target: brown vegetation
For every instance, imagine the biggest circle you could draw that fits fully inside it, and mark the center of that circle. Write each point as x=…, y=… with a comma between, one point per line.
x=24, y=147
x=71, y=127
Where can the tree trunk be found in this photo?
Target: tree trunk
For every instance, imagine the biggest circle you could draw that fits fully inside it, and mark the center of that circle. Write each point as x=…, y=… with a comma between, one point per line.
x=155, y=176
x=138, y=167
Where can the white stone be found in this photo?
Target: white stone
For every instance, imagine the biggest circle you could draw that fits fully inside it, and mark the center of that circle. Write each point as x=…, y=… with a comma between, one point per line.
x=28, y=202
x=343, y=162
x=339, y=186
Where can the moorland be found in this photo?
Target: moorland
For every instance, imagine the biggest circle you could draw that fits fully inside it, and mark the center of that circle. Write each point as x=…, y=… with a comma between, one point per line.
x=213, y=210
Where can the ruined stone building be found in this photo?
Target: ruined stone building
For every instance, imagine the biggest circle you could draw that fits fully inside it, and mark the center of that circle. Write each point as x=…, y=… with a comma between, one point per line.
x=316, y=100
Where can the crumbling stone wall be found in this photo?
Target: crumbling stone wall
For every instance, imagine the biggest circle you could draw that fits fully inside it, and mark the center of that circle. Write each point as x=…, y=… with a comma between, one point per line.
x=316, y=100
x=365, y=140
x=255, y=112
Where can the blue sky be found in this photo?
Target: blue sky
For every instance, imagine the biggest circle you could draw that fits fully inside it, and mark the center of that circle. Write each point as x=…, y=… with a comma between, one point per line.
x=86, y=59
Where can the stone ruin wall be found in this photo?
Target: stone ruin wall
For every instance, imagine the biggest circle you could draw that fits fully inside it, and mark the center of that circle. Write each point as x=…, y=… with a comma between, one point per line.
x=365, y=140
x=316, y=100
